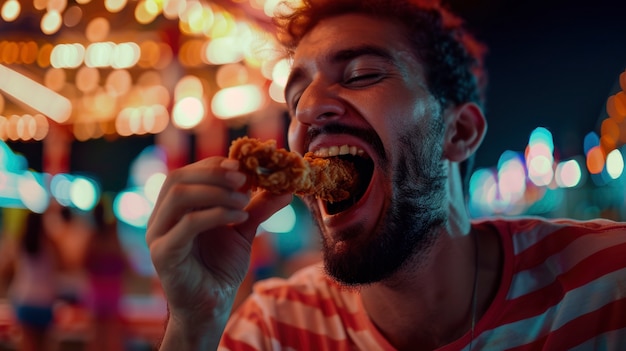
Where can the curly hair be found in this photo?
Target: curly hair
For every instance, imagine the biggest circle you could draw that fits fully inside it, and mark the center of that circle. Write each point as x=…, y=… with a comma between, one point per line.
x=451, y=56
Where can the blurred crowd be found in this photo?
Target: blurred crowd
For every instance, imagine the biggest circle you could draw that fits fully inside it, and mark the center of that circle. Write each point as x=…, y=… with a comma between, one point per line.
x=66, y=267
x=67, y=283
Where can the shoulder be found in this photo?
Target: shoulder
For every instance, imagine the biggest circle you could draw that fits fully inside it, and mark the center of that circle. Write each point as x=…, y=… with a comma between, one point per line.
x=524, y=232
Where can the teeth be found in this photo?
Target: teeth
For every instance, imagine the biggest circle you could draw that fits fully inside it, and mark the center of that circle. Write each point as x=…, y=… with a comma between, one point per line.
x=339, y=150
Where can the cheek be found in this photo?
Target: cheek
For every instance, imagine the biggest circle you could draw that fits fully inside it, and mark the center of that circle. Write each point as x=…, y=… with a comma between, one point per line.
x=295, y=136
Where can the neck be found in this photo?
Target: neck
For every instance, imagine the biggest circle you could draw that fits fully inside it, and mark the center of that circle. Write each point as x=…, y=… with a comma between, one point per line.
x=431, y=305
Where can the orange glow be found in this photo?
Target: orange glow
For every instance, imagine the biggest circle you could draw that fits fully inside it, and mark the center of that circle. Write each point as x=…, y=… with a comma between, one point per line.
x=10, y=53
x=56, y=5
x=118, y=83
x=43, y=59
x=622, y=81
x=190, y=53
x=620, y=103
x=87, y=79
x=55, y=79
x=610, y=129
x=40, y=4
x=595, y=160
x=98, y=29
x=608, y=143
x=150, y=53
x=28, y=52
x=612, y=111
x=231, y=75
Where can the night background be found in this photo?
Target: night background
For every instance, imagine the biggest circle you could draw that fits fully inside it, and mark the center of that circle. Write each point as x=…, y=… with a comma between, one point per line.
x=550, y=63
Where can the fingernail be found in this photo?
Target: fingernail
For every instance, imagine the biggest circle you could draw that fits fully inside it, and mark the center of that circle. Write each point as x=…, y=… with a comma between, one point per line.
x=240, y=198
x=230, y=164
x=237, y=216
x=236, y=178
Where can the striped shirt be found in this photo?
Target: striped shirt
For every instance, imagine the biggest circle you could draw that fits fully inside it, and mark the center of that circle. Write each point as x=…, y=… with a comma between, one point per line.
x=563, y=287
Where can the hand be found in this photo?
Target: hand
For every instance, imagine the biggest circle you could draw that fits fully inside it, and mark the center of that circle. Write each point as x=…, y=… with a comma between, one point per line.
x=200, y=237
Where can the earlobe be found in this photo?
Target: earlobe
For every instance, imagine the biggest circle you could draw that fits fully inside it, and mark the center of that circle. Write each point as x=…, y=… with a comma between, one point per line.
x=466, y=128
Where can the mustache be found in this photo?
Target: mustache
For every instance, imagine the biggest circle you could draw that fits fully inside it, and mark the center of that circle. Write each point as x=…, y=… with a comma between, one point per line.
x=367, y=135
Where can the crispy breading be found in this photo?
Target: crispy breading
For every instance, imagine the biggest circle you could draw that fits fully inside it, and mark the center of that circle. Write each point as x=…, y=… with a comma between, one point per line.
x=281, y=171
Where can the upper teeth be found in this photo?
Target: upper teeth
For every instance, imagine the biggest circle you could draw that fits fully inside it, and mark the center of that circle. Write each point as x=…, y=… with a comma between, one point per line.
x=339, y=150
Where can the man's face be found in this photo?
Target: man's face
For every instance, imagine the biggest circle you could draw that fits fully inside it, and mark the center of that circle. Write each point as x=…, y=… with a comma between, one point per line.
x=355, y=82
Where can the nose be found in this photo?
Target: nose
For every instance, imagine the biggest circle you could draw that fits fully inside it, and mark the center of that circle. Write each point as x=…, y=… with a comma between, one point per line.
x=319, y=104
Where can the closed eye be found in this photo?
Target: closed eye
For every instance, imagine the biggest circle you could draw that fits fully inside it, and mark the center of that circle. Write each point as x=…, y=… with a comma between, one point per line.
x=363, y=79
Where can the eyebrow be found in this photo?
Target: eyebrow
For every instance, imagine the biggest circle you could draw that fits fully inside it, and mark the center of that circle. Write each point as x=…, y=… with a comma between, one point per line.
x=342, y=56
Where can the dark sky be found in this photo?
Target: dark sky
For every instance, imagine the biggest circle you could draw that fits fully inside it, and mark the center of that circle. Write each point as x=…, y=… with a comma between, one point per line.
x=551, y=63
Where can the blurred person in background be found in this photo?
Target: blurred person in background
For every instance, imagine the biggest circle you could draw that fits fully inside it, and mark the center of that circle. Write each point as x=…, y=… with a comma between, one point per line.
x=107, y=267
x=71, y=232
x=33, y=288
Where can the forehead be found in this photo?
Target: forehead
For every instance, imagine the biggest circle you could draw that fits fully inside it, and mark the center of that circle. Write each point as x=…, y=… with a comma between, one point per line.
x=350, y=30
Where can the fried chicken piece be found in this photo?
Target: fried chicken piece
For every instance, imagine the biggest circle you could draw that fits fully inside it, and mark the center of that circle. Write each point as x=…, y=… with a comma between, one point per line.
x=280, y=171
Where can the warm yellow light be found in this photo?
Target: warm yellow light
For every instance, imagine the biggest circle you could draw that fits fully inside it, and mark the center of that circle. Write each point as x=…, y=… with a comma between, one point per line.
x=172, y=9
x=42, y=127
x=281, y=71
x=35, y=95
x=277, y=92
x=56, y=5
x=55, y=79
x=223, y=25
x=114, y=6
x=125, y=55
x=224, y=50
x=87, y=79
x=118, y=83
x=231, y=75
x=188, y=112
x=67, y=56
x=237, y=101
x=99, y=54
x=145, y=12
x=188, y=86
x=40, y=4
x=97, y=29
x=4, y=123
x=51, y=22
x=10, y=10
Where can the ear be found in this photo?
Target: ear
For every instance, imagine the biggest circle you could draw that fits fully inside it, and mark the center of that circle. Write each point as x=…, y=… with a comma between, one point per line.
x=465, y=130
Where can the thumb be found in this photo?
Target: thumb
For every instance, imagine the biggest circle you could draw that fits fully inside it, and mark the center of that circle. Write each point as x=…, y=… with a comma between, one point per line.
x=261, y=207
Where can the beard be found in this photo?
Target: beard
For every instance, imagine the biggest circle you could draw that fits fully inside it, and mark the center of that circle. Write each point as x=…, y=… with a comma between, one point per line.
x=406, y=231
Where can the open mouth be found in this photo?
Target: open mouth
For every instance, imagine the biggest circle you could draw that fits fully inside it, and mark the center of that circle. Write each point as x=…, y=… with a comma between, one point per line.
x=365, y=168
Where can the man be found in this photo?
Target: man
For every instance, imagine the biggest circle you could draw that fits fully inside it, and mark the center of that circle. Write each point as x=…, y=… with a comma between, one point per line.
x=404, y=267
